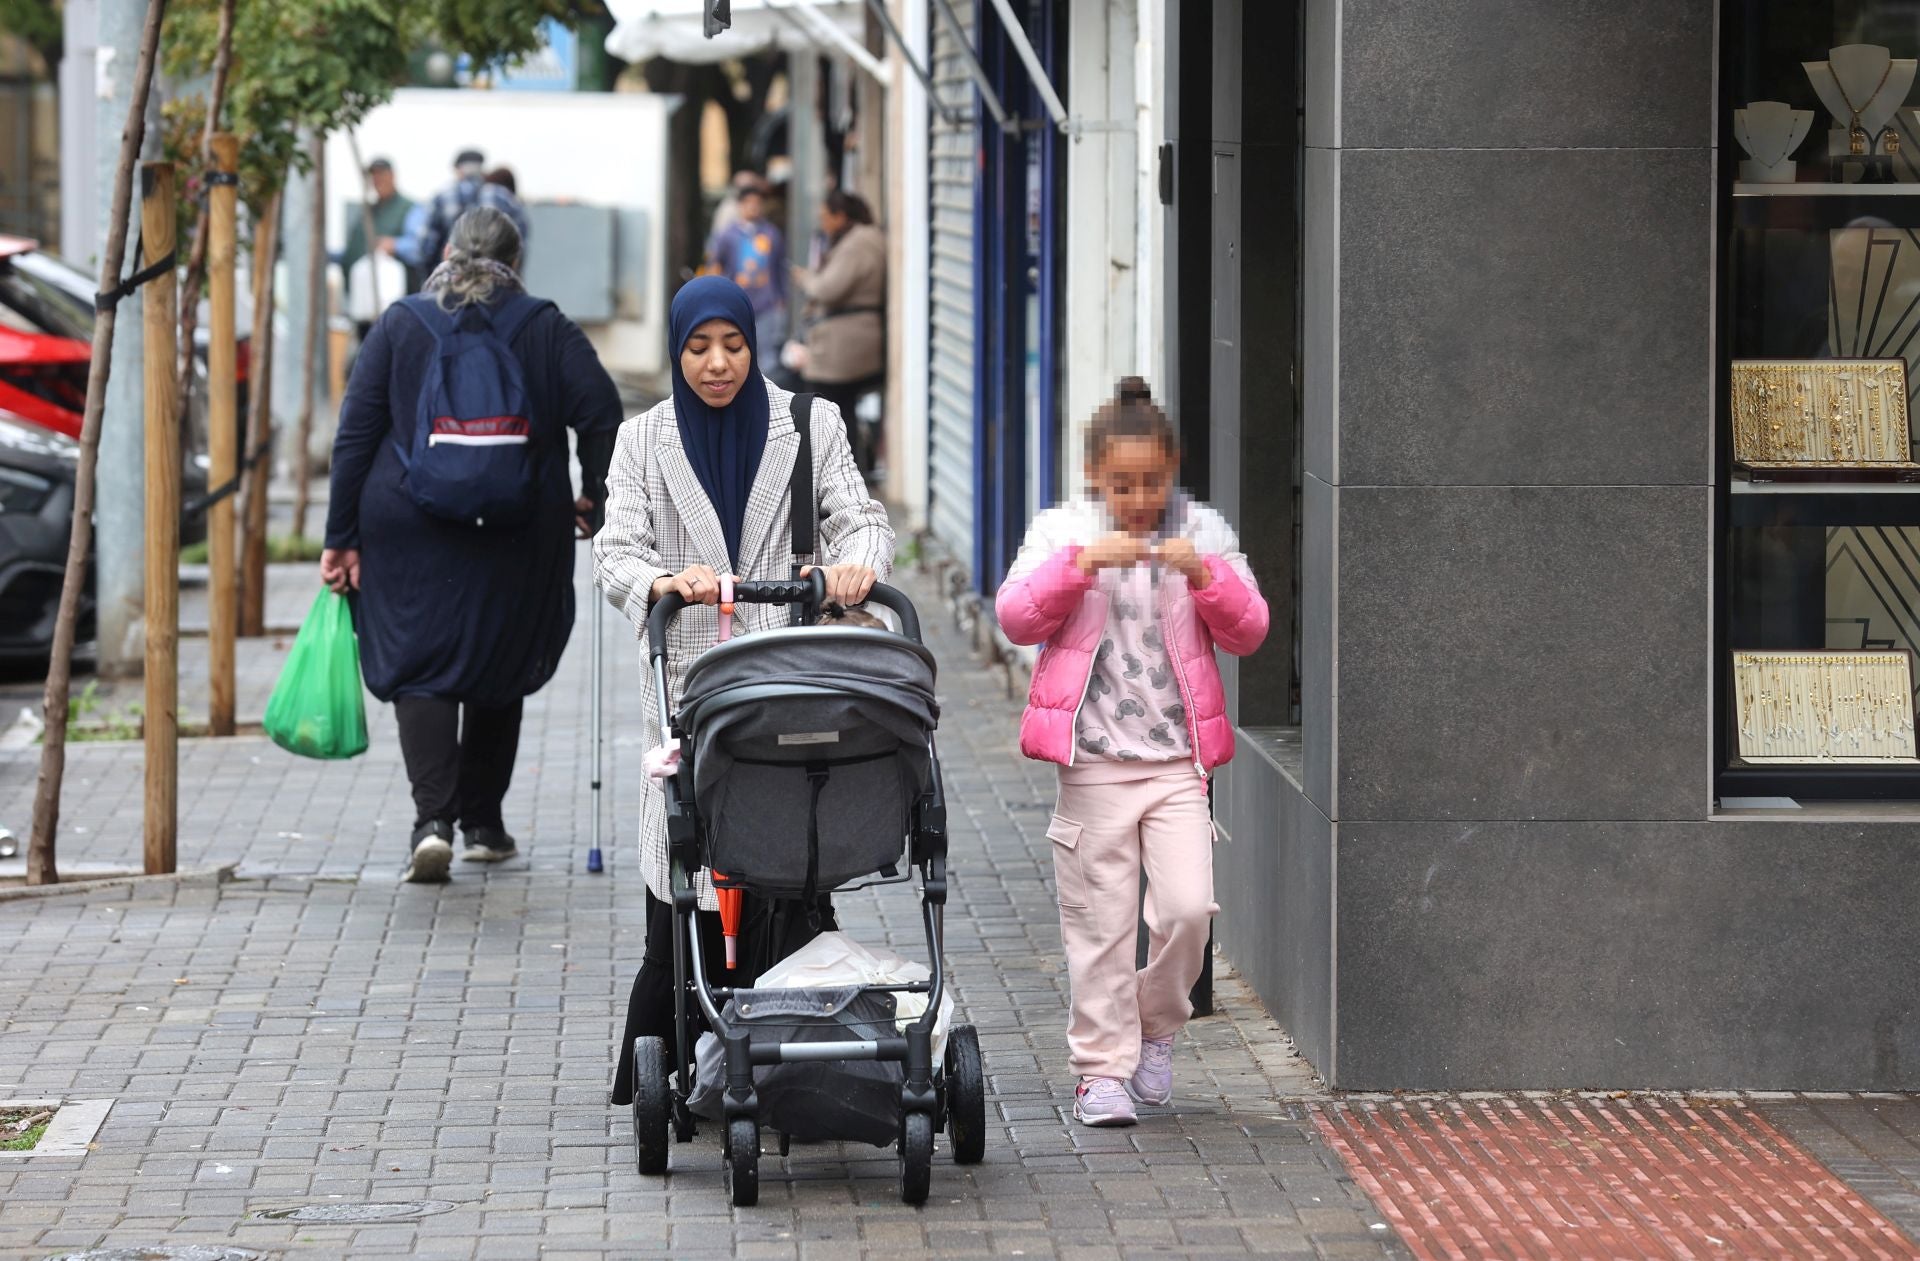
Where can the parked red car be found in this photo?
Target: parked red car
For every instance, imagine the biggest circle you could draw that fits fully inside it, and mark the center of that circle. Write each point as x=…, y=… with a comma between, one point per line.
x=46, y=342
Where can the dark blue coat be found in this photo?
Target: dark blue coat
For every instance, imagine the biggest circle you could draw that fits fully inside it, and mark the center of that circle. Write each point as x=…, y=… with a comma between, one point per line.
x=448, y=610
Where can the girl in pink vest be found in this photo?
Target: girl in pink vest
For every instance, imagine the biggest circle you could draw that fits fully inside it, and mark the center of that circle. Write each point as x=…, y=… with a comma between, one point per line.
x=1128, y=594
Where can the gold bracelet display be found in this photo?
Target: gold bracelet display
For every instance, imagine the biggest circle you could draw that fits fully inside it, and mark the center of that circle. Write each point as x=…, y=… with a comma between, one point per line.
x=1821, y=413
x=1813, y=707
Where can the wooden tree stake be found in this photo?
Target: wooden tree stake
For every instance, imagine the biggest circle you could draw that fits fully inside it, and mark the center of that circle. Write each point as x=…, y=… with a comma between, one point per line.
x=253, y=559
x=223, y=440
x=162, y=720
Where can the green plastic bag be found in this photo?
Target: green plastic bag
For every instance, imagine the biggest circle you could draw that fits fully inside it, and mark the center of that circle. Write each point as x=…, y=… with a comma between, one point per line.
x=318, y=709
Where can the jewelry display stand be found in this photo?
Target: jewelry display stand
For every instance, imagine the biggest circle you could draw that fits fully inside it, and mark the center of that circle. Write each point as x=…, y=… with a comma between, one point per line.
x=1815, y=707
x=1861, y=85
x=1770, y=131
x=1828, y=420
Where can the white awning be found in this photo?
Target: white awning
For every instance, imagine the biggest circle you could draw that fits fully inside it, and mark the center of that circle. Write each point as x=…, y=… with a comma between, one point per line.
x=674, y=29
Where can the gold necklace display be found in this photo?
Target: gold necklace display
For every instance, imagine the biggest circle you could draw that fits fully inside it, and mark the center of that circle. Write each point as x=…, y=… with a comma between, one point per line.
x=1856, y=134
x=1820, y=413
x=1813, y=707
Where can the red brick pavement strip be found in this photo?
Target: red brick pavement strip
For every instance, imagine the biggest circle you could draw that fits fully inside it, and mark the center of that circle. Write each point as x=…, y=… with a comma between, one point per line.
x=1645, y=1177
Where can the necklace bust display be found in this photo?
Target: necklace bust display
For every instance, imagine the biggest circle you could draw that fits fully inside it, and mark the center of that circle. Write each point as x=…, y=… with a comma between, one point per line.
x=1862, y=86
x=1770, y=131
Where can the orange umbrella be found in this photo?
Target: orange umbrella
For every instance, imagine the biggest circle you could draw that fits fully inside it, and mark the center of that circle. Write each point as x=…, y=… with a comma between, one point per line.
x=731, y=901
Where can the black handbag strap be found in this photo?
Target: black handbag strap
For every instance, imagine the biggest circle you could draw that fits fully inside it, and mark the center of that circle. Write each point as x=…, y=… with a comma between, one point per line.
x=801, y=511
x=800, y=506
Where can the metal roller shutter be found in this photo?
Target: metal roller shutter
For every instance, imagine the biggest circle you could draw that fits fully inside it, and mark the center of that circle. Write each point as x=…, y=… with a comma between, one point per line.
x=951, y=373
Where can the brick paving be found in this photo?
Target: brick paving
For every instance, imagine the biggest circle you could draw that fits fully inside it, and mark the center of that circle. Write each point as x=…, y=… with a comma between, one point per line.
x=315, y=1032
x=1647, y=1176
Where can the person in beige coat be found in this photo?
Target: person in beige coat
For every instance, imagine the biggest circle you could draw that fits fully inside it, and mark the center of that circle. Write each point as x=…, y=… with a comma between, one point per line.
x=845, y=329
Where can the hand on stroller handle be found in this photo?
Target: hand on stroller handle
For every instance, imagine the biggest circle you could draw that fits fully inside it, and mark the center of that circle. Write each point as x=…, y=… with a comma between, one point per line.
x=810, y=591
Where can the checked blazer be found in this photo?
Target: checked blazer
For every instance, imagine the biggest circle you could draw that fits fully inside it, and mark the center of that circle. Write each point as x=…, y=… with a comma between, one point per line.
x=659, y=521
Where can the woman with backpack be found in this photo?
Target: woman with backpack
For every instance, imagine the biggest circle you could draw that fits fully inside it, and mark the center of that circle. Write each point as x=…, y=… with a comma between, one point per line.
x=453, y=518
x=703, y=485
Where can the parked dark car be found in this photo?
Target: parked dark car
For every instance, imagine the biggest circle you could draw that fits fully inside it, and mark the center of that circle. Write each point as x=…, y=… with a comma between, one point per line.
x=37, y=470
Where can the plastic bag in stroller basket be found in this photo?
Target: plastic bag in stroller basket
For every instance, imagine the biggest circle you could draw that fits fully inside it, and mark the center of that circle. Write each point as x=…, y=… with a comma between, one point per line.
x=849, y=1100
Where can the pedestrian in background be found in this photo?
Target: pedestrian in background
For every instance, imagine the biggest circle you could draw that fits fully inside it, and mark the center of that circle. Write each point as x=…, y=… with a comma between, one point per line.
x=388, y=209
x=460, y=621
x=425, y=242
x=501, y=191
x=1130, y=592
x=699, y=487
x=845, y=328
x=728, y=211
x=752, y=252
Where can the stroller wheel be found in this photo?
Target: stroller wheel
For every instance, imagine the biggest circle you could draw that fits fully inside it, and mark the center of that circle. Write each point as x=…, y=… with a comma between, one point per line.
x=743, y=1161
x=966, y=1096
x=650, y=1105
x=916, y=1157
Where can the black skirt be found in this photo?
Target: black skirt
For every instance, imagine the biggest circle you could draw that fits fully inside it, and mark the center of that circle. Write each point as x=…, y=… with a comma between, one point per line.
x=770, y=930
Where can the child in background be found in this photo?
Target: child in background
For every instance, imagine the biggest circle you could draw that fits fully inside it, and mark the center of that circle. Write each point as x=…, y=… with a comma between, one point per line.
x=1129, y=594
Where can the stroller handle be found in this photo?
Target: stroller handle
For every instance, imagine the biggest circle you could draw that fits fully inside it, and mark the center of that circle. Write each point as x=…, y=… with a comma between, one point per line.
x=809, y=590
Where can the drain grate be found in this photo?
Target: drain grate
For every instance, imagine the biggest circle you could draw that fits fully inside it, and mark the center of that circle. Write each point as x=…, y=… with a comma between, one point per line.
x=187, y=1252
x=358, y=1214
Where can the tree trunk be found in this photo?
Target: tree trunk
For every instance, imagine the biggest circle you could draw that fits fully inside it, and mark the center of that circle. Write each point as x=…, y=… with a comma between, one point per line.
x=316, y=318
x=259, y=453
x=197, y=259
x=41, y=868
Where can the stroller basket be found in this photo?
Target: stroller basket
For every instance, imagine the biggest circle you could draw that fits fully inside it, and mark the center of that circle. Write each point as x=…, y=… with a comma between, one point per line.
x=811, y=747
x=857, y=1100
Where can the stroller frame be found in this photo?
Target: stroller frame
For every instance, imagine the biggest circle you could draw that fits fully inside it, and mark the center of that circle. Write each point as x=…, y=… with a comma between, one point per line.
x=949, y=1096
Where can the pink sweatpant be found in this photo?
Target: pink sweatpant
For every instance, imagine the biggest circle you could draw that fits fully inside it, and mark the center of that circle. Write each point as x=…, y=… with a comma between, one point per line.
x=1107, y=824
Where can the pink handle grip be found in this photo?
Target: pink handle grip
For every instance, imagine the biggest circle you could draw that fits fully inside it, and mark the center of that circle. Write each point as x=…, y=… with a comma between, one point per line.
x=726, y=607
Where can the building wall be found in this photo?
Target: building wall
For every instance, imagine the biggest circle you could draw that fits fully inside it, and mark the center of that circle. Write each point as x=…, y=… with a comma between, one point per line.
x=1495, y=864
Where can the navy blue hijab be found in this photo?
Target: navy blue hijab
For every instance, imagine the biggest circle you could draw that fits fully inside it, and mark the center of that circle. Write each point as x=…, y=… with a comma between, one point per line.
x=723, y=444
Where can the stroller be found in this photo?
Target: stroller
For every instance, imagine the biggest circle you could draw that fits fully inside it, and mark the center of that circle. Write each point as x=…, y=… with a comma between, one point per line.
x=807, y=766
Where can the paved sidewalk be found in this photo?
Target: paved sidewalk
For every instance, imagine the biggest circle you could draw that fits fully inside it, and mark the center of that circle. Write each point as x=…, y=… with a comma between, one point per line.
x=317, y=1037
x=317, y=1034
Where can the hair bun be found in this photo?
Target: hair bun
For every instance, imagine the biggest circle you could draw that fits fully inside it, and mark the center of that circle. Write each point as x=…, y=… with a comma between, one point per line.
x=1134, y=390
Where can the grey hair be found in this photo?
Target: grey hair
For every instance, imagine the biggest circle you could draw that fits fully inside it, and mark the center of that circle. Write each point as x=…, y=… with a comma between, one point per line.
x=484, y=242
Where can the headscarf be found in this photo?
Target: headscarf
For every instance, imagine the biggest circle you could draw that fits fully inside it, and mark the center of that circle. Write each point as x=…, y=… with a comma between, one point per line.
x=723, y=444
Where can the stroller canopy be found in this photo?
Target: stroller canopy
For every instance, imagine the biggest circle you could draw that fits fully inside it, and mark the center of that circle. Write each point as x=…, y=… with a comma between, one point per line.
x=810, y=748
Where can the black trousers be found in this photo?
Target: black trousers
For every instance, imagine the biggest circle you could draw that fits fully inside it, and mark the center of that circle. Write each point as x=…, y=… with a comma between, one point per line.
x=769, y=932
x=458, y=776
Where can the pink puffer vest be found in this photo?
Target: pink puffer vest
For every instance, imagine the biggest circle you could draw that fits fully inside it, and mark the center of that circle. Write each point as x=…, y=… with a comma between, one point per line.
x=1046, y=599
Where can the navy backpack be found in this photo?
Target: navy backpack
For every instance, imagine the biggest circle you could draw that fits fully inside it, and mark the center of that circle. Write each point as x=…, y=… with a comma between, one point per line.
x=471, y=457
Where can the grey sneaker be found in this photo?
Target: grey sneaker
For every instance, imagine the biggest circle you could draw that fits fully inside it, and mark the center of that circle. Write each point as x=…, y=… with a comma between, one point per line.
x=1152, y=1082
x=489, y=845
x=1102, y=1101
x=432, y=854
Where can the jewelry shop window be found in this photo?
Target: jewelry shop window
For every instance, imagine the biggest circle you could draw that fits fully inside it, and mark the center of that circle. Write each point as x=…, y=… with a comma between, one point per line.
x=1819, y=503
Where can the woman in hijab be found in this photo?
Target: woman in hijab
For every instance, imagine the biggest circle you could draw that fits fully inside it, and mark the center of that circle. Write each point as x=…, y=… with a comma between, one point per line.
x=698, y=488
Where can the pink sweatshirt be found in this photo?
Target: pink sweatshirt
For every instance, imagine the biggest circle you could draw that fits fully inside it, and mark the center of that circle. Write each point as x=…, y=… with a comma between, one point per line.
x=1132, y=713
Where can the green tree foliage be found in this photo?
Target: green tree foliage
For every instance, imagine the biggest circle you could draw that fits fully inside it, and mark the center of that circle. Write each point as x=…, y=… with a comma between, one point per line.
x=38, y=23
x=321, y=65
x=494, y=32
x=297, y=65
